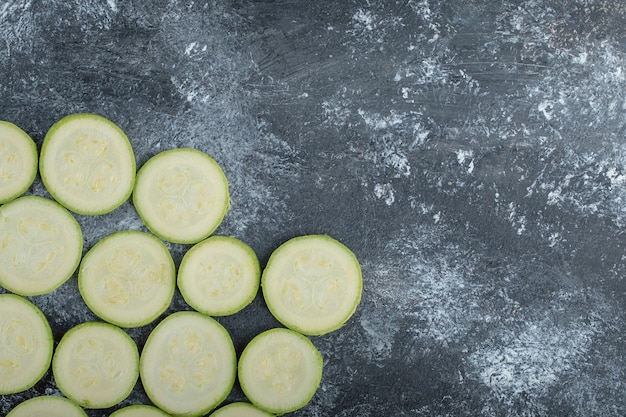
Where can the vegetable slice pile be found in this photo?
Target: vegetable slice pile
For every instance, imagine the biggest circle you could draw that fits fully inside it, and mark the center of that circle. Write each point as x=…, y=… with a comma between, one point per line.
x=18, y=161
x=25, y=344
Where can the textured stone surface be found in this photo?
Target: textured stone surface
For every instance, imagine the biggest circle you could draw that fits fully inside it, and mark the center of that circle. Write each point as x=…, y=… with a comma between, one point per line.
x=470, y=153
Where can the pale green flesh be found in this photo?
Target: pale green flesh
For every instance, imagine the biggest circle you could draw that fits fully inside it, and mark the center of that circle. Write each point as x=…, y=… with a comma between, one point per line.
x=128, y=278
x=48, y=406
x=188, y=364
x=219, y=276
x=25, y=344
x=87, y=164
x=18, y=161
x=139, y=411
x=312, y=284
x=40, y=245
x=280, y=370
x=240, y=409
x=96, y=365
x=181, y=195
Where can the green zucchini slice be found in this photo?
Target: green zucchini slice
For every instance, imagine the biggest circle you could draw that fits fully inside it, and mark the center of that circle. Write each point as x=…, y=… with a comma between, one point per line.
x=40, y=245
x=25, y=344
x=312, y=284
x=219, y=276
x=240, y=409
x=181, y=195
x=139, y=410
x=49, y=406
x=128, y=278
x=87, y=164
x=96, y=365
x=188, y=364
x=280, y=370
x=18, y=161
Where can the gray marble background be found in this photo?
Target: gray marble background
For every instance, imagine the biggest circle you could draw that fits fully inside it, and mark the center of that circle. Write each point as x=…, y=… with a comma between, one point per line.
x=471, y=153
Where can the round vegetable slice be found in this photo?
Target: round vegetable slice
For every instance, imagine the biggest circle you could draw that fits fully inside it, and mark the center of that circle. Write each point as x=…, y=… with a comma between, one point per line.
x=87, y=164
x=96, y=364
x=240, y=409
x=312, y=284
x=25, y=344
x=219, y=276
x=18, y=161
x=40, y=245
x=280, y=370
x=128, y=278
x=188, y=364
x=49, y=406
x=139, y=410
x=181, y=195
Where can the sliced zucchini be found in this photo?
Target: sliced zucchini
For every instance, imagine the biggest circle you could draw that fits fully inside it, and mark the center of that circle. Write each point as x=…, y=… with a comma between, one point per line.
x=240, y=409
x=128, y=278
x=181, y=195
x=48, y=406
x=18, y=161
x=312, y=284
x=188, y=364
x=96, y=365
x=40, y=245
x=139, y=410
x=87, y=164
x=280, y=370
x=219, y=276
x=25, y=344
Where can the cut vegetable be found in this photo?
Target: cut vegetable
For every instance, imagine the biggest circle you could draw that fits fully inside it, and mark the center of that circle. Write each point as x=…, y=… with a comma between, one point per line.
x=280, y=370
x=219, y=276
x=312, y=284
x=188, y=365
x=139, y=411
x=96, y=365
x=128, y=278
x=240, y=409
x=181, y=195
x=18, y=161
x=40, y=245
x=87, y=164
x=25, y=344
x=48, y=406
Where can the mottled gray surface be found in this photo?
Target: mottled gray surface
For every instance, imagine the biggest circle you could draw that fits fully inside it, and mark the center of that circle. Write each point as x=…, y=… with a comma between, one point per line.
x=470, y=153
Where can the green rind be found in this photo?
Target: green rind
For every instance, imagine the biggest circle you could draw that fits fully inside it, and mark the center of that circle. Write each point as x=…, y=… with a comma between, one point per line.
x=205, y=309
x=139, y=410
x=243, y=372
x=71, y=220
x=48, y=329
x=49, y=406
x=33, y=172
x=240, y=409
x=43, y=168
x=131, y=323
x=294, y=324
x=155, y=228
x=61, y=382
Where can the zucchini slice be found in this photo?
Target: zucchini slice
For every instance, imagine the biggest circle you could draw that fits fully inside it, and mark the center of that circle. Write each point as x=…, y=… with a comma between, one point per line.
x=139, y=410
x=40, y=245
x=181, y=195
x=49, y=406
x=128, y=278
x=219, y=276
x=312, y=284
x=18, y=161
x=96, y=364
x=188, y=364
x=280, y=370
x=240, y=409
x=25, y=344
x=87, y=164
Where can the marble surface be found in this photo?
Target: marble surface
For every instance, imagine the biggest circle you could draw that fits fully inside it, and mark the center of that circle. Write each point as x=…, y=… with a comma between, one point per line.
x=472, y=154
